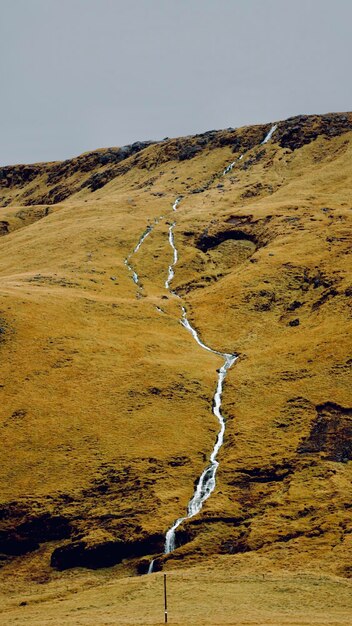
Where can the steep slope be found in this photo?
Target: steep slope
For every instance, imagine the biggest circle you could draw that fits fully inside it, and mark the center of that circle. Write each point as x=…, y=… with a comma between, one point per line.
x=106, y=398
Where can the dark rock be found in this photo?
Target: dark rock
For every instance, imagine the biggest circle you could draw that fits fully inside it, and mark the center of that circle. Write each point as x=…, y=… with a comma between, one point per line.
x=303, y=129
x=13, y=544
x=294, y=322
x=53, y=196
x=199, y=190
x=100, y=179
x=208, y=241
x=331, y=293
x=143, y=565
x=188, y=152
x=240, y=220
x=19, y=175
x=252, y=160
x=253, y=191
x=4, y=228
x=296, y=304
x=270, y=474
x=239, y=545
x=57, y=173
x=155, y=390
x=331, y=433
x=103, y=553
x=262, y=300
x=179, y=461
x=24, y=534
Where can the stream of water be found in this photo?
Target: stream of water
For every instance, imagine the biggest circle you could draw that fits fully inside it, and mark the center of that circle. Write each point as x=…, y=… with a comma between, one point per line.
x=143, y=237
x=267, y=138
x=270, y=134
x=230, y=167
x=207, y=480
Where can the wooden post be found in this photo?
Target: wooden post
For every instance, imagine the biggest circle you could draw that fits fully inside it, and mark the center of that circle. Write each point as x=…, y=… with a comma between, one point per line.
x=165, y=599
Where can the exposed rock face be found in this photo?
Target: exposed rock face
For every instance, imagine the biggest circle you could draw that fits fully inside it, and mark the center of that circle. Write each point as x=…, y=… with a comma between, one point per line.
x=20, y=175
x=22, y=531
x=331, y=433
x=4, y=228
x=50, y=183
x=95, y=540
x=239, y=228
x=206, y=242
x=103, y=551
x=302, y=129
x=61, y=180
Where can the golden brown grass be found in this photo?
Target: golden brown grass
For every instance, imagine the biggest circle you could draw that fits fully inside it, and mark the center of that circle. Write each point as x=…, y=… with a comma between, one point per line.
x=82, y=356
x=200, y=596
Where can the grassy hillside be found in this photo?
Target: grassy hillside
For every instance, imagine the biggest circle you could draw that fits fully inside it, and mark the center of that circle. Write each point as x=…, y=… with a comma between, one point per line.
x=106, y=400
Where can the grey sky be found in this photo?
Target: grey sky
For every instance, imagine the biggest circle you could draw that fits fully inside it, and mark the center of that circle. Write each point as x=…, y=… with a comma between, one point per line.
x=82, y=74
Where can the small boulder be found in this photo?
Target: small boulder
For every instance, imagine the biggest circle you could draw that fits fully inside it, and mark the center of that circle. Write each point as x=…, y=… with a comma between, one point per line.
x=294, y=322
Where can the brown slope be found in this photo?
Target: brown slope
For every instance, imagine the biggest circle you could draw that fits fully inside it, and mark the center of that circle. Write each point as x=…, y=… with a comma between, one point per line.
x=105, y=411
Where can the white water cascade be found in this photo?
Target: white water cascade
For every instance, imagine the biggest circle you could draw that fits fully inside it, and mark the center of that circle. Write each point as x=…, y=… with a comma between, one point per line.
x=171, y=272
x=176, y=203
x=135, y=276
x=207, y=481
x=230, y=167
x=270, y=134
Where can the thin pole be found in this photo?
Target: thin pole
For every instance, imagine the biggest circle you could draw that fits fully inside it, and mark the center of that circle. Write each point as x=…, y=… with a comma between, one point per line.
x=165, y=599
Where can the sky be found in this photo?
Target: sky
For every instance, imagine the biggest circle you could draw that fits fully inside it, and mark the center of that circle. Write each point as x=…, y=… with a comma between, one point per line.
x=78, y=75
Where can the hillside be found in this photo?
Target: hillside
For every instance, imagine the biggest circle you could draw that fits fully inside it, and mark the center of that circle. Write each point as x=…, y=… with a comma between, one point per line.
x=106, y=398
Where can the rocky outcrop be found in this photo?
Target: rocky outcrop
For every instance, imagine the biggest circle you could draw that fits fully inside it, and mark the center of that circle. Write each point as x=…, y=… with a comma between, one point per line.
x=102, y=549
x=330, y=434
x=207, y=241
x=60, y=180
x=22, y=531
x=4, y=227
x=96, y=539
x=239, y=228
x=303, y=129
x=50, y=183
x=20, y=175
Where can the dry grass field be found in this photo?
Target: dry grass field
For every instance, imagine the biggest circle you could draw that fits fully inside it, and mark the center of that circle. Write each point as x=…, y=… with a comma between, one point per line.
x=198, y=596
x=106, y=399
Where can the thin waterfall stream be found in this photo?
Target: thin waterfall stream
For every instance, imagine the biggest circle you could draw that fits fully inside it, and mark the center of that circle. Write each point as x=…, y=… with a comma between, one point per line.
x=135, y=276
x=270, y=134
x=207, y=480
x=267, y=138
x=143, y=237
